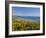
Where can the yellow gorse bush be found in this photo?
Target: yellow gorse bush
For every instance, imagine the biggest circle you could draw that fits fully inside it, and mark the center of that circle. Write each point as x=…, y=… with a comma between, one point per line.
x=21, y=25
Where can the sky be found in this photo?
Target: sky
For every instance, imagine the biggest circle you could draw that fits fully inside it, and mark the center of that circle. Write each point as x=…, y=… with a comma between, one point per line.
x=25, y=11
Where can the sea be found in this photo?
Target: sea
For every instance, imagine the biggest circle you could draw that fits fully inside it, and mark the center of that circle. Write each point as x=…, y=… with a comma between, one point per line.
x=33, y=18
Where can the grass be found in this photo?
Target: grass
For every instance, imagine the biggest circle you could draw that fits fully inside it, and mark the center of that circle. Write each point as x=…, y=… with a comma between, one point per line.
x=22, y=25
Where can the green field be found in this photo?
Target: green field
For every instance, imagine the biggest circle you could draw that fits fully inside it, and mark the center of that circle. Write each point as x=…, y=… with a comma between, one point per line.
x=22, y=25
